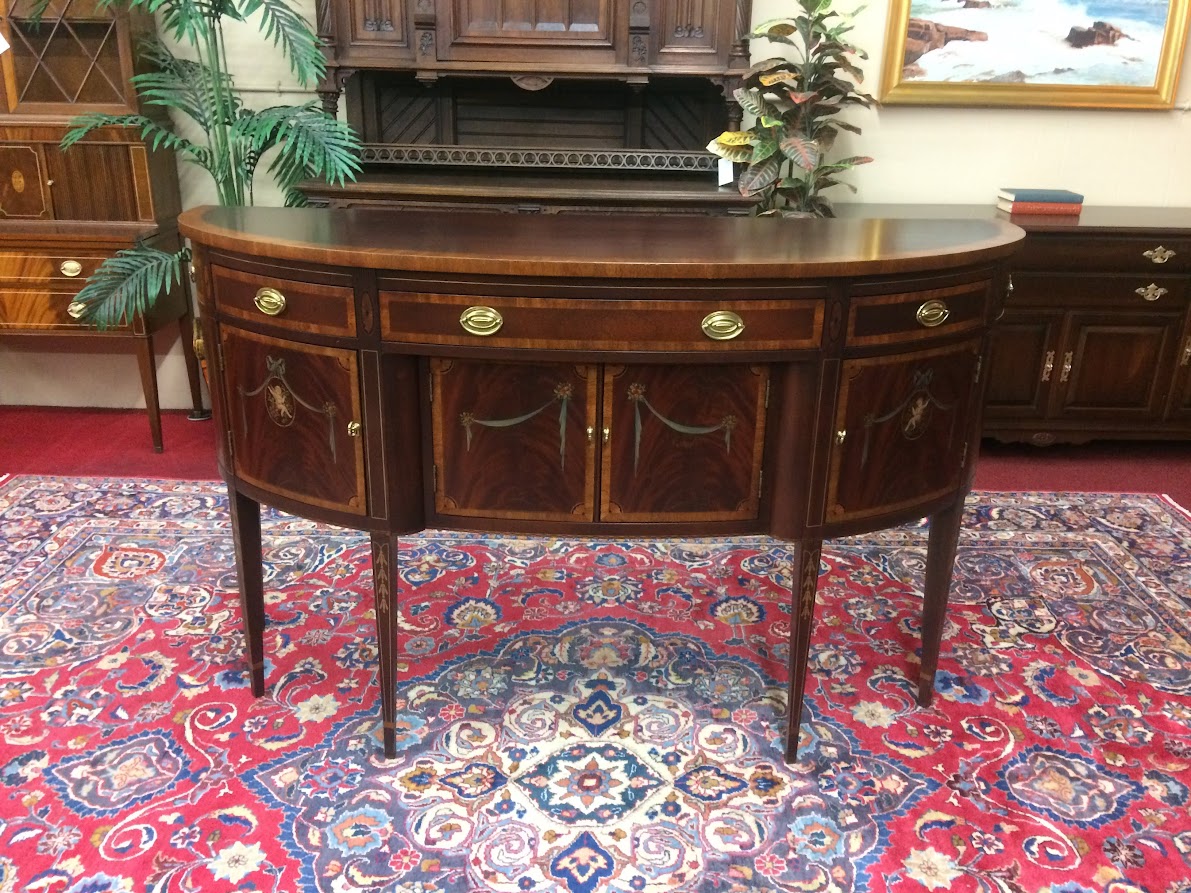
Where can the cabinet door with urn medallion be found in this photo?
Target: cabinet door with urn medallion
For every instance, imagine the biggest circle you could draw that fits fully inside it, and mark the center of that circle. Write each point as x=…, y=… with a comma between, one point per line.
x=513, y=440
x=900, y=424
x=294, y=415
x=682, y=442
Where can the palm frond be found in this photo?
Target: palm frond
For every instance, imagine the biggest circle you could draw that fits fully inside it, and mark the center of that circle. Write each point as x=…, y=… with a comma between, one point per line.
x=128, y=283
x=186, y=21
x=290, y=31
x=155, y=134
x=186, y=86
x=309, y=143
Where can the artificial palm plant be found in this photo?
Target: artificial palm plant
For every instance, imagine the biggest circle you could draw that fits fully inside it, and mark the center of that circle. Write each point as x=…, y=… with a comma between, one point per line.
x=306, y=141
x=796, y=104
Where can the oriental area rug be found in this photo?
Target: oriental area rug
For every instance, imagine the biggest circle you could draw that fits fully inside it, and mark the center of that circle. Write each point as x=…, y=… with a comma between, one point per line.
x=584, y=716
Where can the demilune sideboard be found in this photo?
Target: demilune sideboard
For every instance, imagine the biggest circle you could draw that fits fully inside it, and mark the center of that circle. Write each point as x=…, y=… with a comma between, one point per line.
x=632, y=376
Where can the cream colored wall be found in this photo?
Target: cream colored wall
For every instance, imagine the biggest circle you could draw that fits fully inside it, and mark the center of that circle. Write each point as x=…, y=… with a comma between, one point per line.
x=947, y=155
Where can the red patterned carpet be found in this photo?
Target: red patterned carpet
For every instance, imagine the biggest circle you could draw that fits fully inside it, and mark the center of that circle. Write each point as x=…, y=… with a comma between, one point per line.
x=589, y=716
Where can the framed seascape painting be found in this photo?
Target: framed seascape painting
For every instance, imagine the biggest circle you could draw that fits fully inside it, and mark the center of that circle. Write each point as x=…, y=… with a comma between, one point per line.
x=1073, y=53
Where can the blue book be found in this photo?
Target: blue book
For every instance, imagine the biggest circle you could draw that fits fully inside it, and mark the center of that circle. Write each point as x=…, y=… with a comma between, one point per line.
x=1014, y=194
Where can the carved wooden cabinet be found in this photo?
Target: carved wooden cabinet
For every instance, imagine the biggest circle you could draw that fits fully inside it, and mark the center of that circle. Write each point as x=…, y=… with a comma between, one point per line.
x=392, y=371
x=549, y=106
x=63, y=211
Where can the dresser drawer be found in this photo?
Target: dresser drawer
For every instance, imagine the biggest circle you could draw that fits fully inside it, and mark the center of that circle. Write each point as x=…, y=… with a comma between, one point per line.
x=910, y=317
x=1087, y=253
x=289, y=304
x=62, y=270
x=578, y=324
x=41, y=310
x=1134, y=292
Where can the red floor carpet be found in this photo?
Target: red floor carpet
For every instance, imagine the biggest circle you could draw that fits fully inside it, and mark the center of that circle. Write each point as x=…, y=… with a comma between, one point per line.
x=42, y=440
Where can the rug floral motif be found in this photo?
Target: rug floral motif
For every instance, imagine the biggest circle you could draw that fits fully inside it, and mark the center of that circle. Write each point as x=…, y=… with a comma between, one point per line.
x=580, y=716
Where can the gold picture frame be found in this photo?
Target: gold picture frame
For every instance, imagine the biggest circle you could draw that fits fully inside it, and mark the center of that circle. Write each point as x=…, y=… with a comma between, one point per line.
x=985, y=69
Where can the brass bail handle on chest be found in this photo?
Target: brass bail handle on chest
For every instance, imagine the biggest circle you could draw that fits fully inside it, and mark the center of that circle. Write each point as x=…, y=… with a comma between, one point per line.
x=932, y=313
x=480, y=320
x=722, y=325
x=269, y=301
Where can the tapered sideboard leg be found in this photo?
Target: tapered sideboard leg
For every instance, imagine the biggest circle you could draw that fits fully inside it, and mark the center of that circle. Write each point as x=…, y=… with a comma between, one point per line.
x=940, y=557
x=246, y=534
x=806, y=576
x=385, y=585
x=147, y=364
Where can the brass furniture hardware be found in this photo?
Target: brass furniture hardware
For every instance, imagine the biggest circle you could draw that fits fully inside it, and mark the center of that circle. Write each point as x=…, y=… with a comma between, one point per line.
x=480, y=320
x=932, y=313
x=607, y=434
x=1186, y=353
x=1048, y=366
x=1009, y=285
x=1151, y=292
x=841, y=435
x=353, y=429
x=1159, y=255
x=200, y=347
x=76, y=309
x=590, y=434
x=1067, y=358
x=269, y=301
x=71, y=268
x=722, y=325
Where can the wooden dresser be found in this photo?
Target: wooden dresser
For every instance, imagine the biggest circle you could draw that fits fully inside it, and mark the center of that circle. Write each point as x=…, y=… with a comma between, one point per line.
x=1095, y=341
x=641, y=376
x=63, y=211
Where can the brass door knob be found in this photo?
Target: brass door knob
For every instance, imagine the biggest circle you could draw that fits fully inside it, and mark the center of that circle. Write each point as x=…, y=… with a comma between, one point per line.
x=354, y=429
x=269, y=301
x=70, y=268
x=722, y=325
x=480, y=320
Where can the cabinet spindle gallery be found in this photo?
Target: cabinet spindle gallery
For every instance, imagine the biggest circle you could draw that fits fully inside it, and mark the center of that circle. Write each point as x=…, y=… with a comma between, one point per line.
x=630, y=376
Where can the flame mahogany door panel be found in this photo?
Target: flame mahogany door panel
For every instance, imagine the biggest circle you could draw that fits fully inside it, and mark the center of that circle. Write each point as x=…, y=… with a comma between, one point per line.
x=514, y=440
x=900, y=425
x=683, y=443
x=289, y=409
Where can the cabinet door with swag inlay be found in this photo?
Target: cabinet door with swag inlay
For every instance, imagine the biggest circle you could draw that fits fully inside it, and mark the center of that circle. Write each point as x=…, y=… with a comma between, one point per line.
x=514, y=440
x=683, y=443
x=294, y=412
x=900, y=425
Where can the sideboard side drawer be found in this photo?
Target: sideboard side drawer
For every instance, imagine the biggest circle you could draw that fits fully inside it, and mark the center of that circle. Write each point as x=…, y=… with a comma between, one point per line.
x=63, y=270
x=569, y=324
x=308, y=307
x=909, y=317
x=1156, y=255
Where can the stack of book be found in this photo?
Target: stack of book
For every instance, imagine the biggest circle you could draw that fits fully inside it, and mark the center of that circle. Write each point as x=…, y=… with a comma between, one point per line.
x=1040, y=201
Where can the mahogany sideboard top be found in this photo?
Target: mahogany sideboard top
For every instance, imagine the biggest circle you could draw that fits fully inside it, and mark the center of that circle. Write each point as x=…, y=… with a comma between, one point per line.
x=640, y=376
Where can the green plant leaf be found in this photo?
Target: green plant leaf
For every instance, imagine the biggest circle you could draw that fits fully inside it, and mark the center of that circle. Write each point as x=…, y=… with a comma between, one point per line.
x=802, y=151
x=155, y=134
x=759, y=177
x=309, y=143
x=128, y=283
x=732, y=152
x=763, y=148
x=290, y=31
x=186, y=86
x=753, y=102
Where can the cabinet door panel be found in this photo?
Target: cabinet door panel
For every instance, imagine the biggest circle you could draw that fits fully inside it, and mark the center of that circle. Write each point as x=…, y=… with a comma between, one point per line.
x=1022, y=365
x=1114, y=365
x=289, y=406
x=904, y=420
x=684, y=443
x=23, y=191
x=526, y=30
x=511, y=439
x=376, y=22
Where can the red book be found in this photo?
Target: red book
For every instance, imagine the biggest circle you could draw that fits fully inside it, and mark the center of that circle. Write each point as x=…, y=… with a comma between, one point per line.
x=1072, y=208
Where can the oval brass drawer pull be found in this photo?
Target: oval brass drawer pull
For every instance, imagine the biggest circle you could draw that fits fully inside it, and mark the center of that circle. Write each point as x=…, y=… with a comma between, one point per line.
x=481, y=320
x=269, y=301
x=70, y=268
x=1151, y=292
x=76, y=309
x=932, y=313
x=722, y=325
